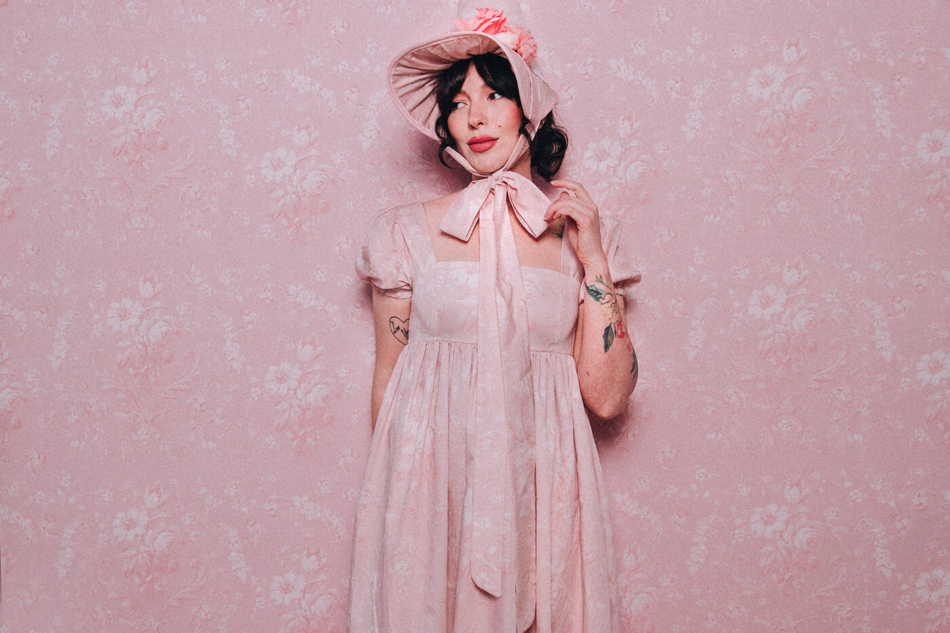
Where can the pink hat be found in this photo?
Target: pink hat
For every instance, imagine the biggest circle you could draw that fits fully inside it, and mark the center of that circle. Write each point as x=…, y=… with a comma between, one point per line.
x=499, y=29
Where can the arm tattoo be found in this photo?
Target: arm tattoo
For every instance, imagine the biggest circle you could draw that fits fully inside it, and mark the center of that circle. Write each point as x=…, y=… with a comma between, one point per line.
x=399, y=329
x=604, y=295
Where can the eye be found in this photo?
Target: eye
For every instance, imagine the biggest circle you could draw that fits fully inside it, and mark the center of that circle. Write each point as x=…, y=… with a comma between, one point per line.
x=457, y=104
x=495, y=96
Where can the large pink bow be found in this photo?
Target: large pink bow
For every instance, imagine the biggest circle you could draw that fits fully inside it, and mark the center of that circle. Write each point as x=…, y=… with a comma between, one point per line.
x=503, y=438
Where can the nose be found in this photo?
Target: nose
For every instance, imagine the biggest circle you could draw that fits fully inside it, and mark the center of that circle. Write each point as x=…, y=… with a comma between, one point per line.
x=476, y=114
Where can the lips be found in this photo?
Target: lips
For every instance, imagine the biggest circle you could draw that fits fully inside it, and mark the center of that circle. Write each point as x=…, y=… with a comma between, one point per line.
x=482, y=143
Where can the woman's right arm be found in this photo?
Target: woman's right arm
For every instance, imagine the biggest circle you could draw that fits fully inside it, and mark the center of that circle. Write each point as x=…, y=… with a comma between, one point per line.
x=391, y=319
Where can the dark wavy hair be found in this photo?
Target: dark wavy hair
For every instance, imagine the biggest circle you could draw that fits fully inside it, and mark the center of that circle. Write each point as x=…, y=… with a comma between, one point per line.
x=550, y=142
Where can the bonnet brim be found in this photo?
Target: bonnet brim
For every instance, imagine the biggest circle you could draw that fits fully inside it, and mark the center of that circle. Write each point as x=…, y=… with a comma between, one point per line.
x=414, y=74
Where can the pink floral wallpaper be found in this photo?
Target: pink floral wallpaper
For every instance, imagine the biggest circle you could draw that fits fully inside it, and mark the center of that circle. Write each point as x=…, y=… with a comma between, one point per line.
x=186, y=351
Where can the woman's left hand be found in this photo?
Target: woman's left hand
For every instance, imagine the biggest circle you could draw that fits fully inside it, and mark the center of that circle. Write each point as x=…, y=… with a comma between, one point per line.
x=582, y=228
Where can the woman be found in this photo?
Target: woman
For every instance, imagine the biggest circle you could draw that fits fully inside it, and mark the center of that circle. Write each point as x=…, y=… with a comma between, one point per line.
x=483, y=506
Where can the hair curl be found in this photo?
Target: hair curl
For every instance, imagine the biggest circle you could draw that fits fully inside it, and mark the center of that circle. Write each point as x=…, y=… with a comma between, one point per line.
x=550, y=141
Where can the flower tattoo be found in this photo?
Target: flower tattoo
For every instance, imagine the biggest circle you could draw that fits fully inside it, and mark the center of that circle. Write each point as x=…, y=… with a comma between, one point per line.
x=607, y=297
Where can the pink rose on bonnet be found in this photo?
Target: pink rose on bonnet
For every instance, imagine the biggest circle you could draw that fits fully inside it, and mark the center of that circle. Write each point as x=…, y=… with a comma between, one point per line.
x=490, y=21
x=495, y=22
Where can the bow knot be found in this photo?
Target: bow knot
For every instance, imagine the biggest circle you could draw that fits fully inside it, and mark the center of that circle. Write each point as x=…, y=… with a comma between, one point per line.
x=527, y=201
x=493, y=180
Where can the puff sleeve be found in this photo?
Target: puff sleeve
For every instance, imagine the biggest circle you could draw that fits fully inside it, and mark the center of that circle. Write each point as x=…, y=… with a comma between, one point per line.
x=384, y=259
x=622, y=271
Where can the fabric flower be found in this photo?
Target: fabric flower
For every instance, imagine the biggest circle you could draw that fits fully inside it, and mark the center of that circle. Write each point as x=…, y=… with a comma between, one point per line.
x=488, y=21
x=526, y=46
x=495, y=22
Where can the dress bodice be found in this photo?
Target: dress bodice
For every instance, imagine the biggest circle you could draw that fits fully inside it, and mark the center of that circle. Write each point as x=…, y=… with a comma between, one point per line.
x=445, y=304
x=400, y=261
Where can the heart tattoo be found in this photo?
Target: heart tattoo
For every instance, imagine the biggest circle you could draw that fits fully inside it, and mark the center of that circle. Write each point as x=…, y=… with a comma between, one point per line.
x=399, y=329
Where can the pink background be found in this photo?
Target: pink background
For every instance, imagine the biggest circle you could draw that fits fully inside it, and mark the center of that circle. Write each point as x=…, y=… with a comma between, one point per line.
x=186, y=351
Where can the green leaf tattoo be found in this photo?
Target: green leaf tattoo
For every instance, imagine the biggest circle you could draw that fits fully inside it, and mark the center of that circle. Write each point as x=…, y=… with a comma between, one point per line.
x=610, y=332
x=596, y=293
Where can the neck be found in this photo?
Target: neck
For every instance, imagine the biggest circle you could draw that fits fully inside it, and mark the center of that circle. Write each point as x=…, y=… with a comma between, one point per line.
x=523, y=166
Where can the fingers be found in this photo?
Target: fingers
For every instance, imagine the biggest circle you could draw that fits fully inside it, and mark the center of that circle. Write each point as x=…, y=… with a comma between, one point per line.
x=570, y=206
x=564, y=205
x=575, y=187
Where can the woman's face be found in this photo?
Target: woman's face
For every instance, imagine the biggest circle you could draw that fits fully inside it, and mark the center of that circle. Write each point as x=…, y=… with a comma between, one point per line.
x=484, y=124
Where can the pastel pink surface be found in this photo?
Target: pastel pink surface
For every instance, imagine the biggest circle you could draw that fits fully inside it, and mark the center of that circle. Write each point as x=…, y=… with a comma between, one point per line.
x=186, y=352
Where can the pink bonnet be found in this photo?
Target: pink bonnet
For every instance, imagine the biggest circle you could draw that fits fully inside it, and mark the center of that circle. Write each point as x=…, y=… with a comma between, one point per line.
x=498, y=29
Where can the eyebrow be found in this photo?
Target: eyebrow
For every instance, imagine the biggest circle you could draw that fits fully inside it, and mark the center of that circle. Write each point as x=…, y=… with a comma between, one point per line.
x=462, y=91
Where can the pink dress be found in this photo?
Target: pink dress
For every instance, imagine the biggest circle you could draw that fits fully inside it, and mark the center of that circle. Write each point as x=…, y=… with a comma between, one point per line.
x=412, y=555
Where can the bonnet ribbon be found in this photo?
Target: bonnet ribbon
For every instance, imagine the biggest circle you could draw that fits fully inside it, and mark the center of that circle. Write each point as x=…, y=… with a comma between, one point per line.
x=504, y=428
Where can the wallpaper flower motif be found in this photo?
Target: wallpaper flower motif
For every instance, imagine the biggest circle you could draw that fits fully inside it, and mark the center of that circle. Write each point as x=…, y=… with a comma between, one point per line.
x=186, y=351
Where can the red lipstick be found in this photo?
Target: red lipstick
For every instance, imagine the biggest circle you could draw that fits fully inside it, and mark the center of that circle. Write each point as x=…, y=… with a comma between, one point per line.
x=482, y=143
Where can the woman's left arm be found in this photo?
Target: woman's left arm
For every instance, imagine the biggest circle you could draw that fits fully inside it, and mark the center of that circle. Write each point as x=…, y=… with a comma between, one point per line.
x=606, y=362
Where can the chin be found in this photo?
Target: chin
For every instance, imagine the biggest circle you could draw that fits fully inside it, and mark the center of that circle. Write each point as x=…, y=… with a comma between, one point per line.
x=487, y=164
x=487, y=167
